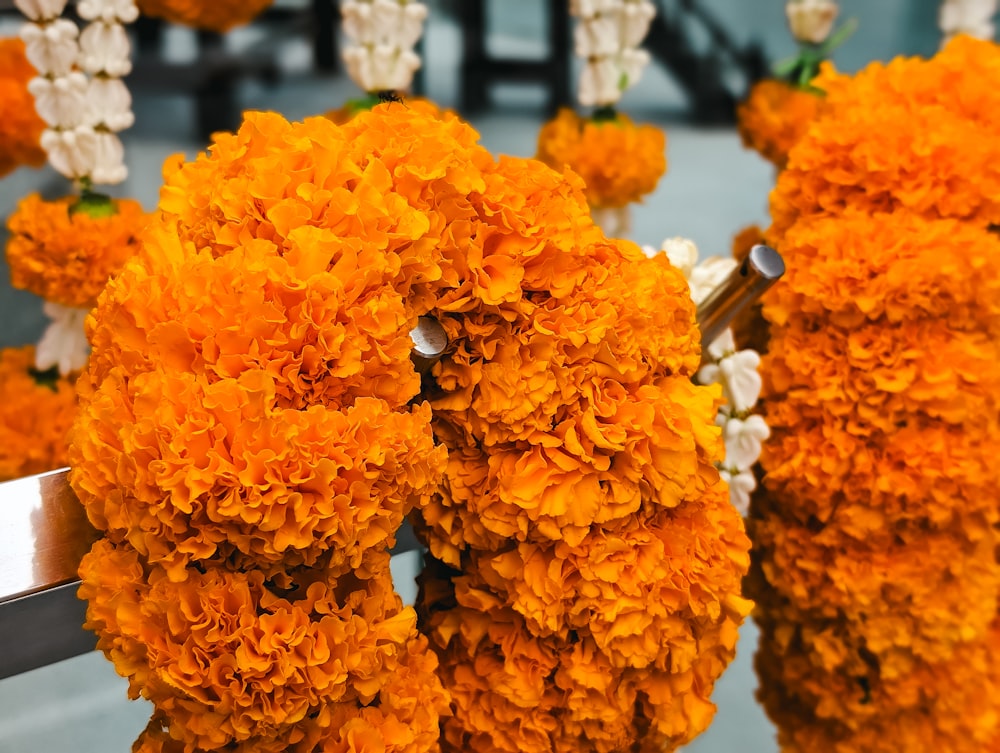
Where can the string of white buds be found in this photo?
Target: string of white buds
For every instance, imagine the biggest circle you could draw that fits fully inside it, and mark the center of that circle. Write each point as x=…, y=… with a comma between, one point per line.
x=743, y=431
x=972, y=17
x=607, y=38
x=84, y=113
x=383, y=34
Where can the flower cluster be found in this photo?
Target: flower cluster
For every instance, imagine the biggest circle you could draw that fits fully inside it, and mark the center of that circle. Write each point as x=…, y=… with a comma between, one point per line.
x=383, y=34
x=938, y=158
x=875, y=538
x=35, y=415
x=250, y=435
x=972, y=17
x=585, y=592
x=620, y=162
x=211, y=15
x=607, y=38
x=775, y=116
x=811, y=21
x=20, y=126
x=736, y=371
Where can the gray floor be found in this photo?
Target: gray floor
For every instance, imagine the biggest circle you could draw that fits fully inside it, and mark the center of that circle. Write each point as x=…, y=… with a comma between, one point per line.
x=712, y=189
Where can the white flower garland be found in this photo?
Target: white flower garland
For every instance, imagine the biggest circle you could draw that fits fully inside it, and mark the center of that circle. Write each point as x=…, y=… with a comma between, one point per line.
x=84, y=114
x=607, y=37
x=972, y=17
x=743, y=431
x=383, y=34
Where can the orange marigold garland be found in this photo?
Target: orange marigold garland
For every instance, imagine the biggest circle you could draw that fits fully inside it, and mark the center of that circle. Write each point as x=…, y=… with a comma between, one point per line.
x=875, y=541
x=775, y=116
x=35, y=415
x=620, y=162
x=249, y=440
x=20, y=126
x=60, y=252
x=211, y=15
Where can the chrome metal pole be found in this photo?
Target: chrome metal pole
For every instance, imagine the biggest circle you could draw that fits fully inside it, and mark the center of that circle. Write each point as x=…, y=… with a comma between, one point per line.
x=762, y=267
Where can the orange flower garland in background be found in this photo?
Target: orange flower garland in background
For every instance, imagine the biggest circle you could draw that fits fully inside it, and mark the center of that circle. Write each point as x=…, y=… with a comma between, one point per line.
x=210, y=15
x=20, y=126
x=619, y=161
x=58, y=251
x=876, y=574
x=251, y=436
x=775, y=116
x=35, y=416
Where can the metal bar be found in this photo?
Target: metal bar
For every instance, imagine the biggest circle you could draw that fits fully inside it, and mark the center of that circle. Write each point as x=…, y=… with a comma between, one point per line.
x=762, y=267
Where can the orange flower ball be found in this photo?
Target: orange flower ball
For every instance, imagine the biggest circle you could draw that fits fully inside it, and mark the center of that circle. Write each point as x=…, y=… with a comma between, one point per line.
x=211, y=15
x=67, y=257
x=912, y=134
x=36, y=413
x=20, y=126
x=774, y=118
x=619, y=161
x=235, y=658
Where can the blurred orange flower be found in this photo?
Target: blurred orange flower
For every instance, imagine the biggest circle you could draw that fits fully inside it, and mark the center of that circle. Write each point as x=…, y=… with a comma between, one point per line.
x=35, y=416
x=67, y=257
x=20, y=126
x=211, y=15
x=619, y=161
x=775, y=116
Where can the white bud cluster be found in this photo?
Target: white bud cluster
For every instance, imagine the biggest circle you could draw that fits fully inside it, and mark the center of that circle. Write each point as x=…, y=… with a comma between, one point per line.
x=972, y=17
x=736, y=370
x=64, y=343
x=383, y=34
x=607, y=37
x=811, y=21
x=84, y=112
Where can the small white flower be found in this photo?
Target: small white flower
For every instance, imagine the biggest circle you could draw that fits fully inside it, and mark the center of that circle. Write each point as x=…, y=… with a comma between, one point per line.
x=52, y=49
x=125, y=11
x=598, y=84
x=597, y=37
x=709, y=275
x=60, y=102
x=972, y=17
x=682, y=252
x=741, y=486
x=109, y=160
x=104, y=48
x=72, y=152
x=741, y=380
x=109, y=103
x=722, y=346
x=634, y=21
x=811, y=21
x=41, y=10
x=743, y=438
x=64, y=343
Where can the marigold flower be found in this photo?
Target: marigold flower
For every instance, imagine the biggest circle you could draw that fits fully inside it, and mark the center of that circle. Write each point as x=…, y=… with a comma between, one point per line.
x=914, y=134
x=35, y=416
x=211, y=15
x=232, y=657
x=67, y=257
x=20, y=126
x=876, y=534
x=775, y=116
x=619, y=161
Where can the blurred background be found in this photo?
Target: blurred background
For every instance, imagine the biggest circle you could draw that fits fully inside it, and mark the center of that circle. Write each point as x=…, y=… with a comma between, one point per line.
x=504, y=65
